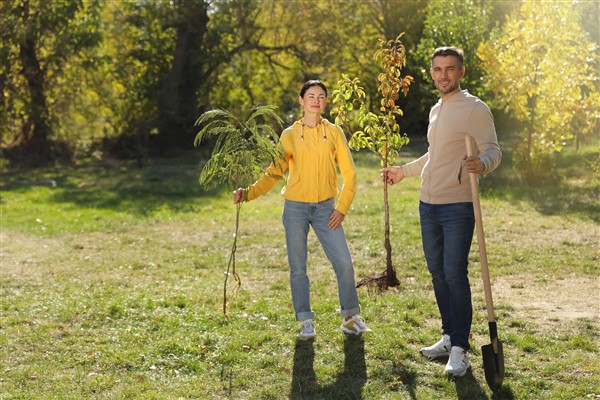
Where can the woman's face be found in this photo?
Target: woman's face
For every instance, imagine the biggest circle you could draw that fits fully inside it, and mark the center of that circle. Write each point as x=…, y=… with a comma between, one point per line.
x=314, y=100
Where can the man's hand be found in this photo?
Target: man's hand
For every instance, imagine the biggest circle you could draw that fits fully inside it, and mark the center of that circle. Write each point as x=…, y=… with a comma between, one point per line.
x=238, y=196
x=474, y=165
x=335, y=220
x=392, y=174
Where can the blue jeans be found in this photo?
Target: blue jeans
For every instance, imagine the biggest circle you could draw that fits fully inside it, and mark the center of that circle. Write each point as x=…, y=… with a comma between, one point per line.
x=297, y=218
x=447, y=231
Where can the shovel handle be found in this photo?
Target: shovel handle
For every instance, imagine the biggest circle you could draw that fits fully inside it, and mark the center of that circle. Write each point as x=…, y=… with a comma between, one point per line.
x=485, y=273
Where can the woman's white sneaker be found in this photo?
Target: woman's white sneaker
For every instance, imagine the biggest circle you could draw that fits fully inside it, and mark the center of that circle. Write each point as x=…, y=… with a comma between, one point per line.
x=458, y=363
x=308, y=329
x=440, y=349
x=354, y=326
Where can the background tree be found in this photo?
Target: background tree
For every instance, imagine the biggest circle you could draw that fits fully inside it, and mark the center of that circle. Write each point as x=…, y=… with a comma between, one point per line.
x=261, y=55
x=543, y=70
x=461, y=23
x=141, y=44
x=39, y=38
x=177, y=96
x=206, y=40
x=410, y=19
x=126, y=78
x=380, y=131
x=319, y=41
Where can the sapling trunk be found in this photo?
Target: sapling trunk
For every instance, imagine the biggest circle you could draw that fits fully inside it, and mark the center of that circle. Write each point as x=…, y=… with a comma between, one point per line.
x=231, y=264
x=392, y=280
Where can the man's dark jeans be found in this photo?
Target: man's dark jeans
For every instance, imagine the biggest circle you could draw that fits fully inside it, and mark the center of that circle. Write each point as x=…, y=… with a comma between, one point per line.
x=447, y=232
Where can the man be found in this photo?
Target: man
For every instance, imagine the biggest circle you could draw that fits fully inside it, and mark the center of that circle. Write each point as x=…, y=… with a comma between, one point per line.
x=445, y=206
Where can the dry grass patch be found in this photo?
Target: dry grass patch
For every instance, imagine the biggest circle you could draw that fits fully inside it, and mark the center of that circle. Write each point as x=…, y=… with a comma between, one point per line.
x=545, y=303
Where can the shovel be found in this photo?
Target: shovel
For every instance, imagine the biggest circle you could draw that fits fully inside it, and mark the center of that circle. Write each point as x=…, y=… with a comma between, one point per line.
x=493, y=356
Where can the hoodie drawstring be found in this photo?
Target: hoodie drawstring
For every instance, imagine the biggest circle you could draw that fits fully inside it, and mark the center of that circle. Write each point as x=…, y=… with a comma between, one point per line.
x=302, y=130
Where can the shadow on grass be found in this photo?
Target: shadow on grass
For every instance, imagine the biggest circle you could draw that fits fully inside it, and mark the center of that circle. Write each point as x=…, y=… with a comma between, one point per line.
x=120, y=185
x=304, y=378
x=349, y=382
x=468, y=388
x=505, y=393
x=569, y=187
x=408, y=377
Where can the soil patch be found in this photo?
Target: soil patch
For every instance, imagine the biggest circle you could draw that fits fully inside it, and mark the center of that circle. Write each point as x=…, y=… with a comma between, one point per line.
x=549, y=302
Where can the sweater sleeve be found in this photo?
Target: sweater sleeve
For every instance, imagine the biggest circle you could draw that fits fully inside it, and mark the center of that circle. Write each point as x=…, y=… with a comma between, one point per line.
x=415, y=167
x=273, y=174
x=483, y=131
x=348, y=171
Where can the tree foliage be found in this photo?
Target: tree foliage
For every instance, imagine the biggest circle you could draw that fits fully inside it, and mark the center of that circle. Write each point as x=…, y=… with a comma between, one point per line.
x=378, y=132
x=39, y=39
x=461, y=23
x=243, y=148
x=129, y=78
x=543, y=70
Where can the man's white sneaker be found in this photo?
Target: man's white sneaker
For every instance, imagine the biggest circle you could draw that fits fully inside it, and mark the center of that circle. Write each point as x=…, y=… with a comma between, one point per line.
x=458, y=363
x=440, y=349
x=308, y=329
x=354, y=326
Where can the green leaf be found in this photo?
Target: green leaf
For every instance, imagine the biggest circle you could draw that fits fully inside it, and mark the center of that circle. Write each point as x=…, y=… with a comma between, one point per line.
x=243, y=149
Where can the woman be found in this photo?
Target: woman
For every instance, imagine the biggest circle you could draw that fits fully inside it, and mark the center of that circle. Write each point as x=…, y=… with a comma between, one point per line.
x=311, y=147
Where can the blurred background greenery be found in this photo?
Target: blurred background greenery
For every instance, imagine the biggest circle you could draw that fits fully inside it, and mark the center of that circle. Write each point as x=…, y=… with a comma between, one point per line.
x=87, y=79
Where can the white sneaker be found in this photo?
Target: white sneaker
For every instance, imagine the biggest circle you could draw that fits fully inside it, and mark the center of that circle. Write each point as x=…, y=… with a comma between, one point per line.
x=308, y=329
x=458, y=363
x=354, y=326
x=440, y=349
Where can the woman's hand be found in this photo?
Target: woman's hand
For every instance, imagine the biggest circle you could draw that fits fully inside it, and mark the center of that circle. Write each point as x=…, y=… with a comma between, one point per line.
x=239, y=195
x=335, y=220
x=393, y=174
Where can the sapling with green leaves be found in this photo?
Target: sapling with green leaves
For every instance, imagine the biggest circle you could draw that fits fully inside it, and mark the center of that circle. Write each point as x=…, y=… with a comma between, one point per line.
x=377, y=132
x=242, y=150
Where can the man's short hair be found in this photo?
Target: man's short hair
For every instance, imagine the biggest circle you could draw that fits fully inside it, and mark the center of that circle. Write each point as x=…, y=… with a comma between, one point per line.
x=448, y=51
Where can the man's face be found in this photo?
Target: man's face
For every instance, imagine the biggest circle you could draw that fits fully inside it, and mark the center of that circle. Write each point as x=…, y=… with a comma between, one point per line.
x=446, y=73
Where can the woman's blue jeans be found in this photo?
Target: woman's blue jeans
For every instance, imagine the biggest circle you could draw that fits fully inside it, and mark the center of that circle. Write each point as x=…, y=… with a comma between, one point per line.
x=297, y=219
x=447, y=232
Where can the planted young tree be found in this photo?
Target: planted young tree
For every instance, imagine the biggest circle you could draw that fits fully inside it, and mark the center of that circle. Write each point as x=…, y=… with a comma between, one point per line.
x=379, y=132
x=243, y=148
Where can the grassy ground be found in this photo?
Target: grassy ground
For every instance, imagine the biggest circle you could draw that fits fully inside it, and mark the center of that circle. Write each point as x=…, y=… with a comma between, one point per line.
x=112, y=282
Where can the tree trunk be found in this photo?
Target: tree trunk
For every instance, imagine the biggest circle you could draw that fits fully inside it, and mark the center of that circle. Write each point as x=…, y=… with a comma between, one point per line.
x=36, y=139
x=531, y=105
x=177, y=101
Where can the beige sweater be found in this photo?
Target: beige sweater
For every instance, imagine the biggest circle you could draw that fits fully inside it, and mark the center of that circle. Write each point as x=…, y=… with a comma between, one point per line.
x=444, y=178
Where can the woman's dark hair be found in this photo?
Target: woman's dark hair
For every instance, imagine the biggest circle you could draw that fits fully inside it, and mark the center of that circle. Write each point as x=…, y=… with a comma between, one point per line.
x=311, y=83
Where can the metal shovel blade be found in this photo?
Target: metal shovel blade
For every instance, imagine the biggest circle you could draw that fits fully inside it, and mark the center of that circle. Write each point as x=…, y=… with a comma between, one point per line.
x=493, y=363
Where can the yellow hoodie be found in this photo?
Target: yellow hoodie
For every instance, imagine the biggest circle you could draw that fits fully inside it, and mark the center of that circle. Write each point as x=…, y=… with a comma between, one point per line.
x=310, y=155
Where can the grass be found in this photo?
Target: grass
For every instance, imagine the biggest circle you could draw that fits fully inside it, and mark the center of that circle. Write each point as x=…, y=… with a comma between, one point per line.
x=111, y=287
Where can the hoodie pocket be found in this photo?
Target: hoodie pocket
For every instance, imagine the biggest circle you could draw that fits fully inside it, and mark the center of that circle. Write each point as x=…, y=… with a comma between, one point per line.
x=292, y=181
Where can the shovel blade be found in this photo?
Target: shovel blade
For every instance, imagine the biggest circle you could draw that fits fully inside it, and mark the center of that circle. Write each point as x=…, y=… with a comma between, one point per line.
x=493, y=364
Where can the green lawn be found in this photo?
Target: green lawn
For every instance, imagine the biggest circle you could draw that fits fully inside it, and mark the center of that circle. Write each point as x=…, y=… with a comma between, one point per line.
x=112, y=284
